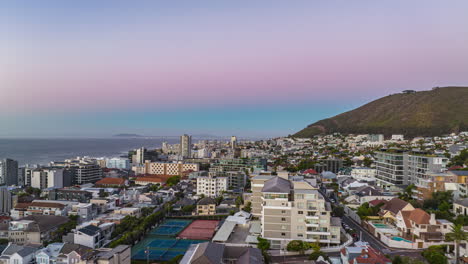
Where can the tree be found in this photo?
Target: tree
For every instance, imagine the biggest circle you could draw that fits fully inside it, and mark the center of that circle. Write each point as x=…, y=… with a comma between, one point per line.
x=435, y=255
x=239, y=201
x=338, y=211
x=317, y=252
x=173, y=180
x=298, y=246
x=407, y=195
x=457, y=235
x=219, y=199
x=264, y=246
x=461, y=159
x=248, y=207
x=367, y=162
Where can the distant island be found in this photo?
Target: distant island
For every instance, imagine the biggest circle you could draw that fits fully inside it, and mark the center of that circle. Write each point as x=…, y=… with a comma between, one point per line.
x=127, y=135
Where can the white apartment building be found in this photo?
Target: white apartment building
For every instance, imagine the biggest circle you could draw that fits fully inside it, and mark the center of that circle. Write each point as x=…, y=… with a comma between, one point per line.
x=165, y=168
x=363, y=173
x=47, y=178
x=294, y=210
x=118, y=163
x=211, y=186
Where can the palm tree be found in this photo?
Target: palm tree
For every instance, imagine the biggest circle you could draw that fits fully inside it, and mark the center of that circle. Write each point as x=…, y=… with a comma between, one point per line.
x=457, y=235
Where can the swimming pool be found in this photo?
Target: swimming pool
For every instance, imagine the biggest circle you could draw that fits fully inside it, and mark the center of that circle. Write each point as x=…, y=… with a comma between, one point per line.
x=401, y=239
x=380, y=225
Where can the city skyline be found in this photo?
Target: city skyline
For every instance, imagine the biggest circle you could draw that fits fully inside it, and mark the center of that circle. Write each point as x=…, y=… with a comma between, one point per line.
x=248, y=69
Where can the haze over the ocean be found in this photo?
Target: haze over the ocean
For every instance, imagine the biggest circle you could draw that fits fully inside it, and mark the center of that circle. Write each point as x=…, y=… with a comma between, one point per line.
x=249, y=68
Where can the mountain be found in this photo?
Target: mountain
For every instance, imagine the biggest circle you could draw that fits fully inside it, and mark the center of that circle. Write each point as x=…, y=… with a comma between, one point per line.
x=439, y=111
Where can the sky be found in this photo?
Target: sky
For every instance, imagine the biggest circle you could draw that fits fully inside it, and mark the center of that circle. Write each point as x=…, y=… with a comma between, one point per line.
x=249, y=68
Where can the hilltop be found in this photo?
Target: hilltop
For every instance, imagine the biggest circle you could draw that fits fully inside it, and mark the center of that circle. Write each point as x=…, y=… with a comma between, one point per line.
x=435, y=112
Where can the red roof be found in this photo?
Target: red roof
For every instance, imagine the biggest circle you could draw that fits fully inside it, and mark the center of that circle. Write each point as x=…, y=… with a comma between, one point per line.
x=456, y=167
x=377, y=202
x=310, y=171
x=149, y=179
x=111, y=181
x=371, y=256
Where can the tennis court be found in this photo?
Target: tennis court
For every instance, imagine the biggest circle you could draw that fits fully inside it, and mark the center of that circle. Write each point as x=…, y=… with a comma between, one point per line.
x=170, y=227
x=200, y=230
x=161, y=243
x=164, y=249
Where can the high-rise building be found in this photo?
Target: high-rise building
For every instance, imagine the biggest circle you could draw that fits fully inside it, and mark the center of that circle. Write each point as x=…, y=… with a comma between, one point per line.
x=293, y=210
x=139, y=157
x=47, y=178
x=8, y=172
x=233, y=142
x=6, y=200
x=390, y=167
x=82, y=170
x=399, y=167
x=186, y=146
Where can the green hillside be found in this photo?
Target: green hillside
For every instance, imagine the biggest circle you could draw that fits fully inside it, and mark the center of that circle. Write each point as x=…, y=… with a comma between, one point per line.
x=427, y=113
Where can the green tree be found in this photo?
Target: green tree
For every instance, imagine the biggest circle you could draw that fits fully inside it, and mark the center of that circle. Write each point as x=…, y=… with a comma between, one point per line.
x=264, y=246
x=457, y=235
x=407, y=195
x=173, y=180
x=367, y=162
x=461, y=159
x=298, y=246
x=435, y=255
x=317, y=252
x=338, y=211
x=248, y=207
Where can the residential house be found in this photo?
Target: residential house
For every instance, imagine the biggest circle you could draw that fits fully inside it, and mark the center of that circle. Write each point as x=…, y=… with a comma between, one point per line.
x=390, y=210
x=206, y=206
x=460, y=207
x=49, y=254
x=18, y=254
x=72, y=253
x=34, y=229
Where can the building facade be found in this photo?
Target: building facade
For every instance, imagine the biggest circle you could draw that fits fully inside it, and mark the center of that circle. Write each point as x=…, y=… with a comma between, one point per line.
x=185, y=146
x=296, y=211
x=211, y=186
x=8, y=172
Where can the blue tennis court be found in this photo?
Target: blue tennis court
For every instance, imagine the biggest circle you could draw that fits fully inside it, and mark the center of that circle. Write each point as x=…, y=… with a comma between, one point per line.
x=164, y=249
x=161, y=243
x=171, y=227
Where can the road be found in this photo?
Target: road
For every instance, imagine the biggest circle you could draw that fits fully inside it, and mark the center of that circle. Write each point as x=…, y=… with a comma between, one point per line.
x=372, y=240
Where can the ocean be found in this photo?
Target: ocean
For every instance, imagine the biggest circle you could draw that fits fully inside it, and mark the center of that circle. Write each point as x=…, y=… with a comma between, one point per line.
x=43, y=151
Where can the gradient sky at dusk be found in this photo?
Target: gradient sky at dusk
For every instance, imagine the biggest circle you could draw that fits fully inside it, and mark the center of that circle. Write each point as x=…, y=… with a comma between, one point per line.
x=249, y=68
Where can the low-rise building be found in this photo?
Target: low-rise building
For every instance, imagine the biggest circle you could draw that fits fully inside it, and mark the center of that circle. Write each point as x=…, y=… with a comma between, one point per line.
x=206, y=206
x=34, y=229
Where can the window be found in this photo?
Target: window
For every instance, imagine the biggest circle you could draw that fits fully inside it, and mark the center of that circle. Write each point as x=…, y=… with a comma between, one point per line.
x=283, y=234
x=300, y=212
x=300, y=235
x=283, y=211
x=283, y=219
